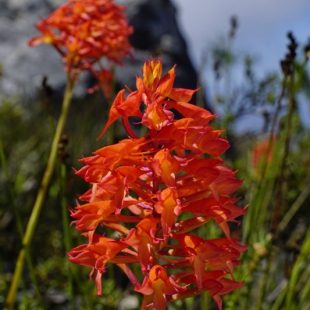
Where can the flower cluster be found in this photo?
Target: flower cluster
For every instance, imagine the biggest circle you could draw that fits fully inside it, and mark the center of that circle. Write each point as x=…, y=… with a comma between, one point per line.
x=154, y=191
x=85, y=31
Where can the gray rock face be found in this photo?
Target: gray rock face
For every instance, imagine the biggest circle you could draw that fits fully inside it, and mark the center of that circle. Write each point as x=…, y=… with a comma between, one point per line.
x=156, y=34
x=23, y=67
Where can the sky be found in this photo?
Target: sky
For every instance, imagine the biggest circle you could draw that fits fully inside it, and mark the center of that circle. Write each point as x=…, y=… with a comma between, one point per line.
x=263, y=25
x=262, y=30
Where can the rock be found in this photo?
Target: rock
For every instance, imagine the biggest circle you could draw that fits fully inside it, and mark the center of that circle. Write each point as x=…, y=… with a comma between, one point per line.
x=156, y=34
x=128, y=302
x=24, y=67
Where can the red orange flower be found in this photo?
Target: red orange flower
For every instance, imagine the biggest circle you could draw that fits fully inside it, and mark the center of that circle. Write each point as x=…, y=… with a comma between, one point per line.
x=263, y=152
x=168, y=182
x=97, y=254
x=159, y=284
x=84, y=32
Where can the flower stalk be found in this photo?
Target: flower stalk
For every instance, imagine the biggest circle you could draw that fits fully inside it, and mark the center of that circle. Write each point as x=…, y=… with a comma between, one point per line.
x=32, y=223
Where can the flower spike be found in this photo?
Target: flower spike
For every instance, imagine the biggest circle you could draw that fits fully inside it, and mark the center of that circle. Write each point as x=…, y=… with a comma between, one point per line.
x=84, y=32
x=154, y=191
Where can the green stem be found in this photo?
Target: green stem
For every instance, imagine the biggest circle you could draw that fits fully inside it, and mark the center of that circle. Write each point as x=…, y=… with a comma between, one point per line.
x=41, y=195
x=293, y=209
x=282, y=176
x=265, y=280
x=296, y=272
x=205, y=300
